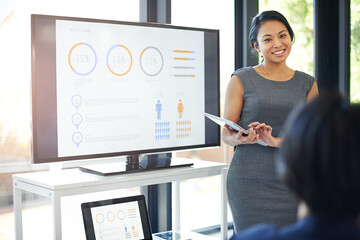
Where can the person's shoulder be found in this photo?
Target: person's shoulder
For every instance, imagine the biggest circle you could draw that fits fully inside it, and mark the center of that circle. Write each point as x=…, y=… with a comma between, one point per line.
x=304, y=76
x=257, y=232
x=243, y=70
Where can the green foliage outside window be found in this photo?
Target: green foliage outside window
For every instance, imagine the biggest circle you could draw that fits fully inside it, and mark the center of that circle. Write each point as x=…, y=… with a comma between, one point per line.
x=355, y=51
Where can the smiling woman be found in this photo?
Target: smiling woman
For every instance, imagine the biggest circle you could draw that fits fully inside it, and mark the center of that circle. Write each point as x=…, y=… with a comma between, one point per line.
x=274, y=41
x=261, y=97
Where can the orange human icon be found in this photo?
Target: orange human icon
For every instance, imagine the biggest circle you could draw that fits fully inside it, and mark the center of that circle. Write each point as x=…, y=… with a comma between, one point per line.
x=180, y=108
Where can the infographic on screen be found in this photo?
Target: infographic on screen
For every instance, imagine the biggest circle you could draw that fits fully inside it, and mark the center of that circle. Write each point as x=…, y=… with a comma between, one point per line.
x=121, y=87
x=117, y=221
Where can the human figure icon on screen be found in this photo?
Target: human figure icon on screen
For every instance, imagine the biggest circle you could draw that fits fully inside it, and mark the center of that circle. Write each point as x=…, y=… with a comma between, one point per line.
x=158, y=109
x=180, y=108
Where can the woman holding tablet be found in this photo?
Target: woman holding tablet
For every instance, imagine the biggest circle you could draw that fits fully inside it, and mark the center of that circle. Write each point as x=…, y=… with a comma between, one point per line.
x=261, y=98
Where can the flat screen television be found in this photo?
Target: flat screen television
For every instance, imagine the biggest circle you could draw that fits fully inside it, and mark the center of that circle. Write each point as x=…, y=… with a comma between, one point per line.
x=103, y=88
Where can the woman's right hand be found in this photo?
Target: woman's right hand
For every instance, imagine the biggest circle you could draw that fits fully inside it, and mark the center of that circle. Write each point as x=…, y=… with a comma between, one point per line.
x=240, y=138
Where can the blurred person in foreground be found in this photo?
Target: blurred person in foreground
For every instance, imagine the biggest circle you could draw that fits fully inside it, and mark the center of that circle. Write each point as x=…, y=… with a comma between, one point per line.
x=320, y=162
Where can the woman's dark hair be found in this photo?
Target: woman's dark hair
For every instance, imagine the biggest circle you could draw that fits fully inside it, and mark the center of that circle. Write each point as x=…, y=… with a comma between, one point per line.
x=320, y=156
x=261, y=18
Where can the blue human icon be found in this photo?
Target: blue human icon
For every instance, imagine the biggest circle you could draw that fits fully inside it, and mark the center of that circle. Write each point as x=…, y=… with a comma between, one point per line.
x=158, y=109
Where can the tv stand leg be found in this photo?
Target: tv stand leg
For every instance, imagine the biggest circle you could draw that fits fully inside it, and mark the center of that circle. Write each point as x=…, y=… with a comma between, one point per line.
x=17, y=195
x=224, y=200
x=132, y=162
x=56, y=209
x=176, y=205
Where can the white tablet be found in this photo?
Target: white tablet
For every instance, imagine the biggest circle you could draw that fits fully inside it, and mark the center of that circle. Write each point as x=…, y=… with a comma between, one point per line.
x=221, y=121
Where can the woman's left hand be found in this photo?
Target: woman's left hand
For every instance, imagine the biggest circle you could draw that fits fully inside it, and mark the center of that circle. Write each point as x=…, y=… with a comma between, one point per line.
x=265, y=133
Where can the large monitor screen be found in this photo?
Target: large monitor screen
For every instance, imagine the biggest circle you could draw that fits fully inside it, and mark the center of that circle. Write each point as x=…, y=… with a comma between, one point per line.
x=105, y=88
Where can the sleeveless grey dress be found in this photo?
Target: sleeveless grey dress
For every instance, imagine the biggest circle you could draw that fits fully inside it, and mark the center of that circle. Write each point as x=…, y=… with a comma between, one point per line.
x=255, y=193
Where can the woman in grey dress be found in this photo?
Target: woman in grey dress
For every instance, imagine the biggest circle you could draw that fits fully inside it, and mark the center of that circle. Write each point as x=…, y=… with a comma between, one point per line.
x=260, y=98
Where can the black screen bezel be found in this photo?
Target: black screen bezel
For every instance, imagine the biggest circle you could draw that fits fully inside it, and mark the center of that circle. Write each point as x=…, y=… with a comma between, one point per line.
x=43, y=68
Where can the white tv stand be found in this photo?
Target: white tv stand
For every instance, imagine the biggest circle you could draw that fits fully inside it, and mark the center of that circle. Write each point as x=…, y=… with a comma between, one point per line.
x=57, y=184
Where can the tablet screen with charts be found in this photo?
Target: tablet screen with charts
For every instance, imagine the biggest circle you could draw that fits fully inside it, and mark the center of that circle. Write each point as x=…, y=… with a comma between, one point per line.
x=121, y=218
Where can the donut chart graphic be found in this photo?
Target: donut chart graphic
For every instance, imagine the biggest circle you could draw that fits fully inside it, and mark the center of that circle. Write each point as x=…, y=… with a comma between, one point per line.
x=151, y=61
x=121, y=215
x=119, y=60
x=100, y=218
x=110, y=216
x=82, y=59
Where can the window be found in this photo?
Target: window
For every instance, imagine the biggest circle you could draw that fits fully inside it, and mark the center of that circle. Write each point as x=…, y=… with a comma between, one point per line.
x=15, y=82
x=196, y=16
x=15, y=143
x=355, y=51
x=195, y=193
